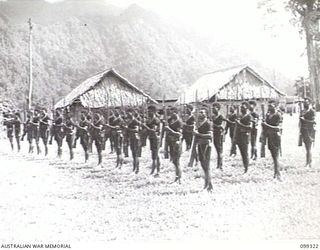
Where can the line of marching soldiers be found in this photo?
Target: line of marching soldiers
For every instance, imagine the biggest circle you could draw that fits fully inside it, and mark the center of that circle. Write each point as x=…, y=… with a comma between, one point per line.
x=199, y=128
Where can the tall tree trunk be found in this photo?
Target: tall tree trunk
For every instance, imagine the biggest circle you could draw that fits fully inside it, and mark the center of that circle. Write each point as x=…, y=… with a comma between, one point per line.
x=313, y=62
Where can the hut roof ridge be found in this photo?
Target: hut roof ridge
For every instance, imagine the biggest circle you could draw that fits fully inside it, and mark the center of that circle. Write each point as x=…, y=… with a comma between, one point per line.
x=89, y=83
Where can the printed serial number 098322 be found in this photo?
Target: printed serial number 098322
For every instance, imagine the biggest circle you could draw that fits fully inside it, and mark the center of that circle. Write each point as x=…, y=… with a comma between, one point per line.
x=309, y=246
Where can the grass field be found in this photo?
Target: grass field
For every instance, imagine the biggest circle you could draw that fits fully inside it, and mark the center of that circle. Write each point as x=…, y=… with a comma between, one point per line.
x=45, y=198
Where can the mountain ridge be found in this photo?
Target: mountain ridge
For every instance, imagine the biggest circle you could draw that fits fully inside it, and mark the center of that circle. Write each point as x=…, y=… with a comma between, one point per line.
x=73, y=41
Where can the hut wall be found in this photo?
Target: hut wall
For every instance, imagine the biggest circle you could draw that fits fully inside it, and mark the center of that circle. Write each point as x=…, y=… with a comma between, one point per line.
x=112, y=92
x=246, y=86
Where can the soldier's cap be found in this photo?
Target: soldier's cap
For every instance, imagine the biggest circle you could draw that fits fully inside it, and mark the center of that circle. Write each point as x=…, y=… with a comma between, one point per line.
x=216, y=104
x=253, y=102
x=152, y=108
x=246, y=104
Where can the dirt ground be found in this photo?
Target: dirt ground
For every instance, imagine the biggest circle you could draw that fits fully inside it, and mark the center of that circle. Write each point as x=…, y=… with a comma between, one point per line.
x=46, y=198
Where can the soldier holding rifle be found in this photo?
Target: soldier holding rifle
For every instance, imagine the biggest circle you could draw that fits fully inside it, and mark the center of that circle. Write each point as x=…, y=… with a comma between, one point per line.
x=272, y=130
x=153, y=129
x=242, y=133
x=188, y=126
x=218, y=132
x=203, y=140
x=17, y=128
x=133, y=138
x=115, y=123
x=307, y=129
x=174, y=134
x=69, y=131
x=27, y=130
x=82, y=131
x=35, y=127
x=44, y=129
x=57, y=131
x=97, y=134
x=8, y=122
x=254, y=130
x=230, y=125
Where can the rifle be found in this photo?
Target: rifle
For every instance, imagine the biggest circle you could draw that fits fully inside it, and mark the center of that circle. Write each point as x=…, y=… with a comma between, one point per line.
x=193, y=151
x=234, y=137
x=300, y=135
x=162, y=128
x=263, y=138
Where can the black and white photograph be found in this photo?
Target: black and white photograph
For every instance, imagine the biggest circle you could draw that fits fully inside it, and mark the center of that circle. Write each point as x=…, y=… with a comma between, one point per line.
x=158, y=124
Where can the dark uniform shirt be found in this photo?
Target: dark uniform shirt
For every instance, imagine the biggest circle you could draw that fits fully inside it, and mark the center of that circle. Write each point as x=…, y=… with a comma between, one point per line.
x=190, y=123
x=176, y=126
x=133, y=124
x=44, y=123
x=69, y=128
x=243, y=129
x=153, y=124
x=254, y=119
x=17, y=125
x=309, y=116
x=217, y=124
x=204, y=128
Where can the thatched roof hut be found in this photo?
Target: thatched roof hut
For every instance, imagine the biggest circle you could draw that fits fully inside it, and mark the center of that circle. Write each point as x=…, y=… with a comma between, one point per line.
x=107, y=88
x=231, y=84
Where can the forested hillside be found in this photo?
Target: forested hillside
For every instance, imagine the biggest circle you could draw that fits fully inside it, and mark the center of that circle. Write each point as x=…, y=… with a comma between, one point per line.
x=73, y=40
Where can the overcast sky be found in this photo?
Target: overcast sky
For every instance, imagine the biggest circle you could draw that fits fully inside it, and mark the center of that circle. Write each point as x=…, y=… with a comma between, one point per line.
x=241, y=23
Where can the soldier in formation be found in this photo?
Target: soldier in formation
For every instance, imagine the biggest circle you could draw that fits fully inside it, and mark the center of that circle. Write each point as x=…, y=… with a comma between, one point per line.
x=44, y=129
x=242, y=133
x=230, y=126
x=307, y=129
x=153, y=130
x=254, y=129
x=188, y=127
x=272, y=126
x=115, y=123
x=69, y=133
x=197, y=130
x=132, y=131
x=218, y=132
x=203, y=140
x=57, y=131
x=174, y=138
x=83, y=134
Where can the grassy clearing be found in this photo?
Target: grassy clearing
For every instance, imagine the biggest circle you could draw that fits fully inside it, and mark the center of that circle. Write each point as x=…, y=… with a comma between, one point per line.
x=49, y=198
